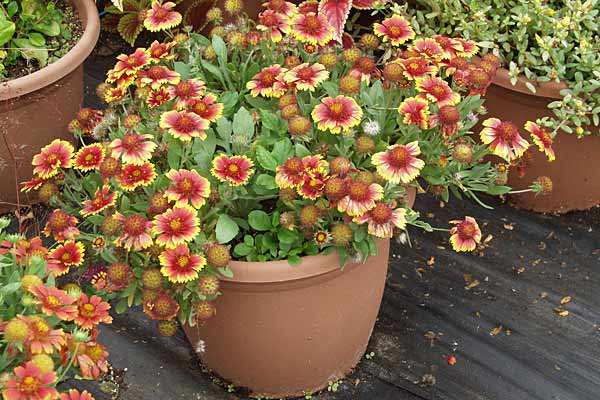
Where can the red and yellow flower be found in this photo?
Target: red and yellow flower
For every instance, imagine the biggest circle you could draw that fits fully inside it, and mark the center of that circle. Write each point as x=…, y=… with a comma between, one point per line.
x=176, y=226
x=234, y=170
x=28, y=382
x=395, y=29
x=542, y=139
x=135, y=232
x=313, y=184
x=399, y=163
x=430, y=48
x=187, y=90
x=115, y=94
x=161, y=17
x=187, y=187
x=437, y=90
x=162, y=308
x=337, y=114
x=89, y=157
x=184, y=125
x=382, y=219
x=290, y=174
x=179, y=265
x=207, y=107
x=503, y=139
x=103, y=199
x=158, y=97
x=52, y=157
x=133, y=148
x=311, y=28
x=160, y=51
x=360, y=198
x=465, y=235
x=129, y=64
x=273, y=23
x=53, y=301
x=306, y=77
x=268, y=82
x=61, y=225
x=415, y=111
x=42, y=338
x=133, y=176
x=92, y=311
x=415, y=67
x=158, y=75
x=65, y=255
x=469, y=48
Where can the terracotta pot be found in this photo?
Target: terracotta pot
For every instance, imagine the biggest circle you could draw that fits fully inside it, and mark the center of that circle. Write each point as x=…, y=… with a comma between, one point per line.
x=285, y=331
x=576, y=170
x=37, y=108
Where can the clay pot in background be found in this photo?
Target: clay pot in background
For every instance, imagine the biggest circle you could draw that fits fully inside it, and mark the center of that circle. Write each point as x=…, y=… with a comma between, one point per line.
x=576, y=171
x=35, y=109
x=284, y=331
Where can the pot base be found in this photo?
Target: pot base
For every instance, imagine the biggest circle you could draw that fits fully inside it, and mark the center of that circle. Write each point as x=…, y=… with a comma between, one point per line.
x=290, y=338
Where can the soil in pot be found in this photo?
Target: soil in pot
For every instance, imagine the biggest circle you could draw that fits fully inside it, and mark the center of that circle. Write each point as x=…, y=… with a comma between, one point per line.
x=576, y=171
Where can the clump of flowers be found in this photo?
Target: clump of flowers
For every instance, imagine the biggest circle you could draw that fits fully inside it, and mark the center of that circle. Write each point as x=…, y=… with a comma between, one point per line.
x=254, y=150
x=47, y=334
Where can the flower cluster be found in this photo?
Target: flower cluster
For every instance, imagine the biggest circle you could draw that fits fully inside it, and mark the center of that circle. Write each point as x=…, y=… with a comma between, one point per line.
x=48, y=334
x=264, y=142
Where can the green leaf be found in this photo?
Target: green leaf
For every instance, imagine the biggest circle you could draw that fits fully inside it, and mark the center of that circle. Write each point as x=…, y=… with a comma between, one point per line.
x=220, y=48
x=294, y=260
x=182, y=69
x=265, y=159
x=213, y=69
x=286, y=236
x=269, y=120
x=243, y=124
x=242, y=249
x=174, y=154
x=226, y=272
x=121, y=306
x=37, y=39
x=259, y=220
x=226, y=229
x=51, y=28
x=31, y=52
x=268, y=181
x=7, y=30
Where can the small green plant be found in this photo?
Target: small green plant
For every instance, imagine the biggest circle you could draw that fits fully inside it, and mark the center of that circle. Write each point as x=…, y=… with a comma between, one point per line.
x=333, y=386
x=544, y=41
x=33, y=30
x=370, y=355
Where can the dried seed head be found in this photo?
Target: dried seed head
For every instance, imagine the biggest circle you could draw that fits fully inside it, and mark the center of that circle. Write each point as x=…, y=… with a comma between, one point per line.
x=341, y=234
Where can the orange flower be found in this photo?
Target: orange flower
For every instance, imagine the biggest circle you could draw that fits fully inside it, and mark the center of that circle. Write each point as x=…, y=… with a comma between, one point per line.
x=52, y=157
x=415, y=111
x=130, y=64
x=437, y=90
x=311, y=28
x=176, y=226
x=74, y=394
x=161, y=51
x=89, y=157
x=184, y=125
x=382, y=219
x=158, y=97
x=306, y=77
x=361, y=198
x=503, y=139
x=337, y=114
x=465, y=235
x=102, y=200
x=162, y=308
x=28, y=382
x=429, y=48
x=185, y=91
x=53, y=301
x=115, y=94
x=179, y=266
x=187, y=187
x=62, y=226
x=92, y=312
x=235, y=170
x=133, y=148
x=160, y=17
x=65, y=255
x=400, y=163
x=268, y=82
x=541, y=138
x=415, y=67
x=207, y=108
x=42, y=338
x=395, y=29
x=133, y=176
x=158, y=75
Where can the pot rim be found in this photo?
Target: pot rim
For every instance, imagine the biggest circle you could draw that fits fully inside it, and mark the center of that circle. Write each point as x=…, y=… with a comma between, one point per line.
x=88, y=15
x=309, y=267
x=549, y=90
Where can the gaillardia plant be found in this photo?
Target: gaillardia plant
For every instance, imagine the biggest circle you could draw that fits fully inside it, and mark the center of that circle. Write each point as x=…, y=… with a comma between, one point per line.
x=272, y=142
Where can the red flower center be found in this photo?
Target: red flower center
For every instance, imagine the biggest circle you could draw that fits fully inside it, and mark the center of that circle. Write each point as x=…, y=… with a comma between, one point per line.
x=51, y=158
x=200, y=107
x=183, y=261
x=395, y=30
x=466, y=230
x=185, y=185
x=507, y=131
x=184, y=89
x=267, y=78
x=155, y=72
x=337, y=110
x=358, y=191
x=52, y=301
x=59, y=220
x=312, y=23
x=87, y=310
x=95, y=352
x=29, y=385
x=135, y=225
x=545, y=138
x=185, y=124
x=438, y=91
x=305, y=73
x=478, y=77
x=294, y=165
x=365, y=64
x=161, y=13
x=233, y=169
x=130, y=140
x=66, y=257
x=448, y=115
x=175, y=224
x=269, y=20
x=381, y=214
x=398, y=157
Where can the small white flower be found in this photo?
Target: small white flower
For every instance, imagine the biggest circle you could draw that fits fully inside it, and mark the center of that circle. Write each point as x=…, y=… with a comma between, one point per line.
x=371, y=127
x=200, y=346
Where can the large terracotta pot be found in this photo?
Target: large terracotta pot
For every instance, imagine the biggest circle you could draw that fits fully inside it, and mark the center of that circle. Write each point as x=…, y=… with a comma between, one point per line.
x=285, y=331
x=37, y=108
x=576, y=170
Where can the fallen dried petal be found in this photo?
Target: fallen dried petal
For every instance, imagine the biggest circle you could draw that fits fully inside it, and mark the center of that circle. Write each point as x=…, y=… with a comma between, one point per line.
x=496, y=331
x=565, y=300
x=561, y=312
